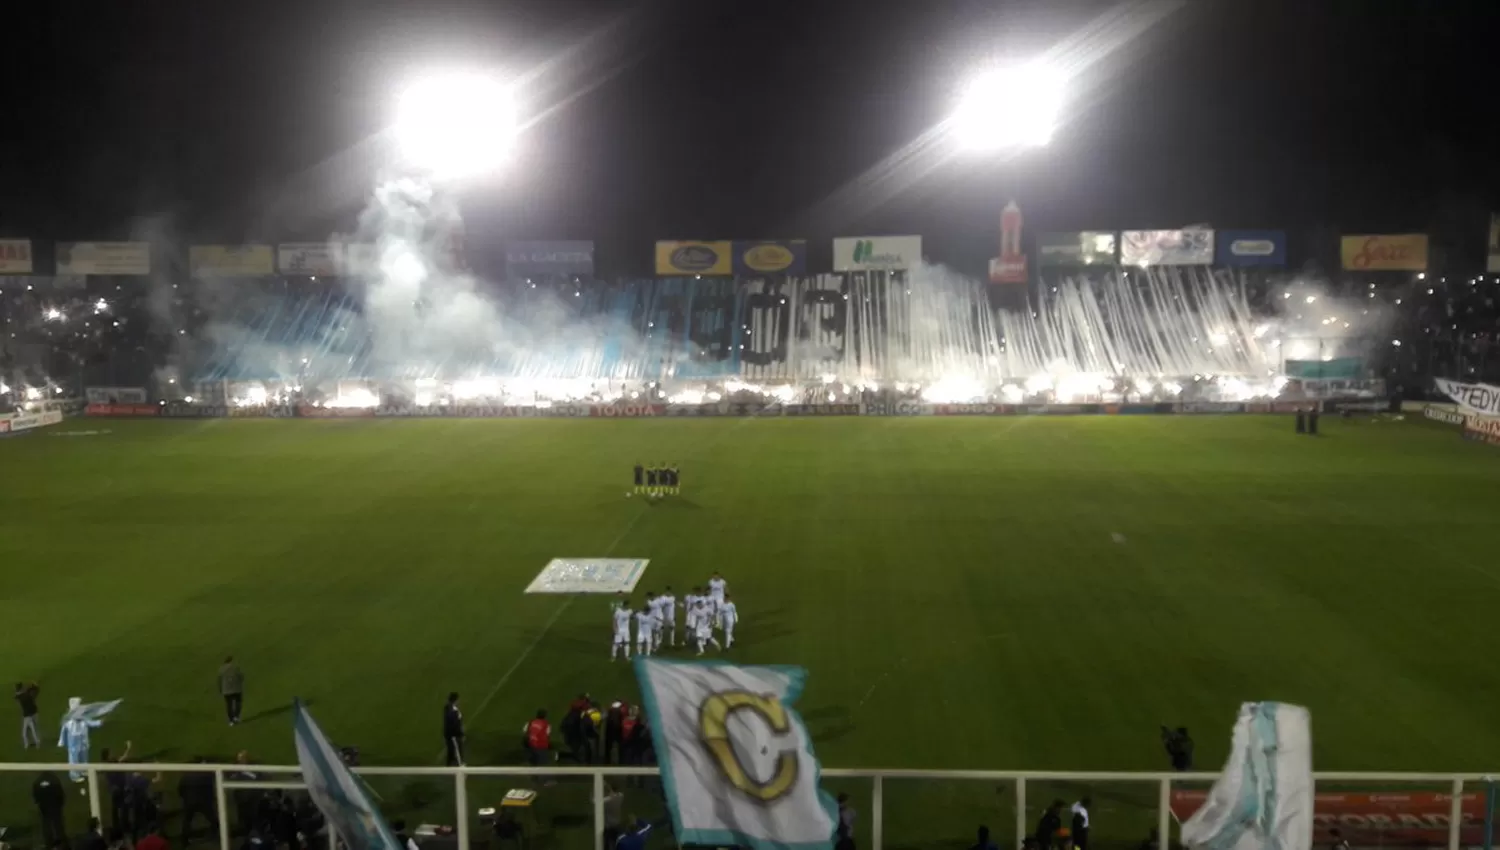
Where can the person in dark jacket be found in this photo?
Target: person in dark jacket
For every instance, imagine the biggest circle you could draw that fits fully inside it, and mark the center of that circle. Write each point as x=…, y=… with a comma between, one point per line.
x=1179, y=747
x=94, y=838
x=590, y=730
x=1080, y=825
x=198, y=798
x=614, y=732
x=47, y=792
x=984, y=842
x=232, y=688
x=26, y=693
x=453, y=731
x=119, y=804
x=1047, y=827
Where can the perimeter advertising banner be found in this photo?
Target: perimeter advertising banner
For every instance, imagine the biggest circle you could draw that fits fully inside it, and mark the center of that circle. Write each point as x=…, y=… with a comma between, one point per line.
x=231, y=260
x=15, y=256
x=679, y=257
x=771, y=256
x=1190, y=246
x=1251, y=247
x=1084, y=248
x=568, y=258
x=104, y=258
x=876, y=253
x=1010, y=266
x=1493, y=266
x=309, y=258
x=1402, y=252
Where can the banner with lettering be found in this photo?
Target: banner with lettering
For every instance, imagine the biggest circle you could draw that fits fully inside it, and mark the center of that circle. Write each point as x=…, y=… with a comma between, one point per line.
x=309, y=258
x=1190, y=246
x=677, y=257
x=1251, y=247
x=1084, y=248
x=15, y=256
x=1402, y=252
x=569, y=258
x=104, y=258
x=771, y=256
x=231, y=260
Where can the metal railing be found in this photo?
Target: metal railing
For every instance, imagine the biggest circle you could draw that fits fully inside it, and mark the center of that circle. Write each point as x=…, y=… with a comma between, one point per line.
x=224, y=783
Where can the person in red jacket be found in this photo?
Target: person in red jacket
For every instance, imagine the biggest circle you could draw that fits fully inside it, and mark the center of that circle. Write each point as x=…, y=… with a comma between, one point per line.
x=539, y=737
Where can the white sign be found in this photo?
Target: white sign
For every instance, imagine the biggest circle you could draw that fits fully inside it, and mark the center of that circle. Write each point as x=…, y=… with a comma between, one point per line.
x=1473, y=398
x=115, y=395
x=15, y=256
x=27, y=421
x=308, y=258
x=867, y=253
x=104, y=258
x=589, y=575
x=1190, y=246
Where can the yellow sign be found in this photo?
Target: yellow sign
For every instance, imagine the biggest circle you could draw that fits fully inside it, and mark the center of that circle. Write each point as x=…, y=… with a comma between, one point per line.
x=683, y=258
x=231, y=260
x=1403, y=252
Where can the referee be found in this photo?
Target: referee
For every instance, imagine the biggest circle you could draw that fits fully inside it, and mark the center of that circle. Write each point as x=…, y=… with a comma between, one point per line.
x=453, y=731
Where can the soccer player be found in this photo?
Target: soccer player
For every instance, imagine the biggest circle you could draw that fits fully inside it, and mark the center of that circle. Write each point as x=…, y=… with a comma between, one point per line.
x=703, y=628
x=674, y=480
x=718, y=588
x=651, y=480
x=645, y=626
x=728, y=616
x=666, y=478
x=622, y=632
x=640, y=477
x=669, y=612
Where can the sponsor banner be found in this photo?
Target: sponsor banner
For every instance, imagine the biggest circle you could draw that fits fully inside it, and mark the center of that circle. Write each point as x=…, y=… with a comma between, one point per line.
x=358, y=258
x=1476, y=398
x=983, y=408
x=309, y=258
x=4, y=425
x=899, y=408
x=1190, y=246
x=1135, y=409
x=27, y=421
x=1405, y=252
x=183, y=410
x=1010, y=266
x=308, y=411
x=680, y=258
x=262, y=411
x=1357, y=405
x=1279, y=406
x=720, y=409
x=627, y=410
x=1209, y=407
x=1251, y=247
x=231, y=260
x=866, y=253
x=1411, y=819
x=103, y=258
x=1084, y=248
x=1486, y=429
x=771, y=256
x=1493, y=265
x=1072, y=409
x=115, y=395
x=15, y=256
x=848, y=409
x=1438, y=414
x=572, y=258
x=122, y=410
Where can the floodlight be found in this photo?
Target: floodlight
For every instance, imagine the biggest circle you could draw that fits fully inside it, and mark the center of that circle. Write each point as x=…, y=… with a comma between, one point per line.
x=456, y=125
x=1009, y=108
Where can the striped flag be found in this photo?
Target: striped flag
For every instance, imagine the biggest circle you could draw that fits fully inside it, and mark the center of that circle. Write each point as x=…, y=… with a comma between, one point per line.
x=338, y=793
x=736, y=759
x=1264, y=798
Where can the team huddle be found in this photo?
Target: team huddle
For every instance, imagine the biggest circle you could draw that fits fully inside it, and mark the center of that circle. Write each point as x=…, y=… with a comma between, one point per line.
x=656, y=620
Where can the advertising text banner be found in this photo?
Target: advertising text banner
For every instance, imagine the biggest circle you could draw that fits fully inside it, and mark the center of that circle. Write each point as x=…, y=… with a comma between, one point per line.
x=771, y=256
x=678, y=257
x=104, y=258
x=1251, y=247
x=876, y=253
x=1401, y=252
x=569, y=258
x=1083, y=248
x=1190, y=246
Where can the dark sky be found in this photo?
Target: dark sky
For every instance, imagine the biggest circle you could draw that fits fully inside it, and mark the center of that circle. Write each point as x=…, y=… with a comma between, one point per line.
x=258, y=120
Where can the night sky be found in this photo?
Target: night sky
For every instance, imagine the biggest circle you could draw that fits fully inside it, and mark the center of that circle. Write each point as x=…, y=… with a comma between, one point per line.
x=261, y=120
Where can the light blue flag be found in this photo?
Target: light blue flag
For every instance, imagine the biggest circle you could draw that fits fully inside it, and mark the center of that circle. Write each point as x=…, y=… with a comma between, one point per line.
x=338, y=793
x=736, y=759
x=1264, y=798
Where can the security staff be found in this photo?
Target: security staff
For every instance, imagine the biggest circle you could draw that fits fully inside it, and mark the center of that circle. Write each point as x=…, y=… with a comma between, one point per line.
x=538, y=738
x=453, y=731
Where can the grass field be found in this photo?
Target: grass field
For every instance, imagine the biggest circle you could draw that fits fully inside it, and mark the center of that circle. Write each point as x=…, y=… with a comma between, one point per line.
x=1010, y=593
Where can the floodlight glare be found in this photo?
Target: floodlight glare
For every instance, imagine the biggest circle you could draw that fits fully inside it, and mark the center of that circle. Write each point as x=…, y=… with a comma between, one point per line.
x=456, y=125
x=1009, y=108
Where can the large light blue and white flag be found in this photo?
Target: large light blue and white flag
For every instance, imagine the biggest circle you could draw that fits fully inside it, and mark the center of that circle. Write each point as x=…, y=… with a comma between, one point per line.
x=735, y=757
x=338, y=793
x=1264, y=799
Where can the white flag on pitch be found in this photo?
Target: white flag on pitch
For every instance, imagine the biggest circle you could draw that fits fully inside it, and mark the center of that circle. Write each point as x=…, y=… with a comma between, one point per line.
x=735, y=757
x=338, y=793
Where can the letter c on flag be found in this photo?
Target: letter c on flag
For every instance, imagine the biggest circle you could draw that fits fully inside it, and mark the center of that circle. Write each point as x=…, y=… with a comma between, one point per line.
x=713, y=725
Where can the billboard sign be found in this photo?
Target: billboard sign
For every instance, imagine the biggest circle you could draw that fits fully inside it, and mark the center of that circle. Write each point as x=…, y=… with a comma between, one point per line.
x=1190, y=246
x=1493, y=265
x=104, y=258
x=570, y=258
x=1010, y=266
x=15, y=256
x=677, y=257
x=771, y=256
x=1402, y=252
x=309, y=258
x=231, y=260
x=1084, y=248
x=876, y=253
x=1251, y=247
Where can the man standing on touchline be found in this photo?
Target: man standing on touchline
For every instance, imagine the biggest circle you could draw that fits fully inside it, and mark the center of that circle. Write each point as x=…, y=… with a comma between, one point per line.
x=232, y=687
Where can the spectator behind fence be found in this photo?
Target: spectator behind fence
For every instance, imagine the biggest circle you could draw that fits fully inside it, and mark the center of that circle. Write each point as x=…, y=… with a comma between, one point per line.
x=93, y=839
x=47, y=793
x=1047, y=827
x=984, y=842
x=1080, y=823
x=1179, y=747
x=614, y=815
x=198, y=798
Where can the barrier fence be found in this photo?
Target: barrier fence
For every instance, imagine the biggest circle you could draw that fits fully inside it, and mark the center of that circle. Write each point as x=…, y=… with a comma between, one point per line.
x=1395, y=809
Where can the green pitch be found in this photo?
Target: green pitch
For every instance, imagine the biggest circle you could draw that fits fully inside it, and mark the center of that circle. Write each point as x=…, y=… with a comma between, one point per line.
x=1007, y=593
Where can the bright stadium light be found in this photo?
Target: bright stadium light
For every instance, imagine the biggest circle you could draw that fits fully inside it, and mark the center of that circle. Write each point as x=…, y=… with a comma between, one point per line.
x=1009, y=108
x=456, y=125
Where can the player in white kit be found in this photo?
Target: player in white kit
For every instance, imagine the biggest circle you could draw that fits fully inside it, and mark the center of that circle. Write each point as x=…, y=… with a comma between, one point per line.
x=703, y=624
x=728, y=616
x=622, y=632
x=645, y=629
x=669, y=613
x=690, y=610
x=718, y=588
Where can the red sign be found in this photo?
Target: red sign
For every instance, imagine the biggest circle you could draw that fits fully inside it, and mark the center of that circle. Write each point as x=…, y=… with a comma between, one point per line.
x=627, y=410
x=1010, y=266
x=4, y=426
x=1405, y=820
x=122, y=410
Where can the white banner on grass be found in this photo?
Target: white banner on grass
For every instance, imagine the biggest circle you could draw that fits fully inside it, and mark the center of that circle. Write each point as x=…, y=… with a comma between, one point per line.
x=338, y=793
x=1473, y=398
x=736, y=759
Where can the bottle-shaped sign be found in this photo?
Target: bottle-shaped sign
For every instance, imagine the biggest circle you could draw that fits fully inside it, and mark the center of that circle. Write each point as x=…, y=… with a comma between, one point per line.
x=1010, y=266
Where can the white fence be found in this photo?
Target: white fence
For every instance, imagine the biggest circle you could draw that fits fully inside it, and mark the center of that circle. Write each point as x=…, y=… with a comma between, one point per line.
x=1452, y=783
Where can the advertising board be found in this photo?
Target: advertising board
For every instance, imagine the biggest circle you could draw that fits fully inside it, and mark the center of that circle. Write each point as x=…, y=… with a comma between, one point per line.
x=1384, y=252
x=771, y=256
x=231, y=260
x=309, y=258
x=1190, y=246
x=15, y=256
x=678, y=257
x=1075, y=250
x=564, y=257
x=1251, y=247
x=876, y=253
x=103, y=258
